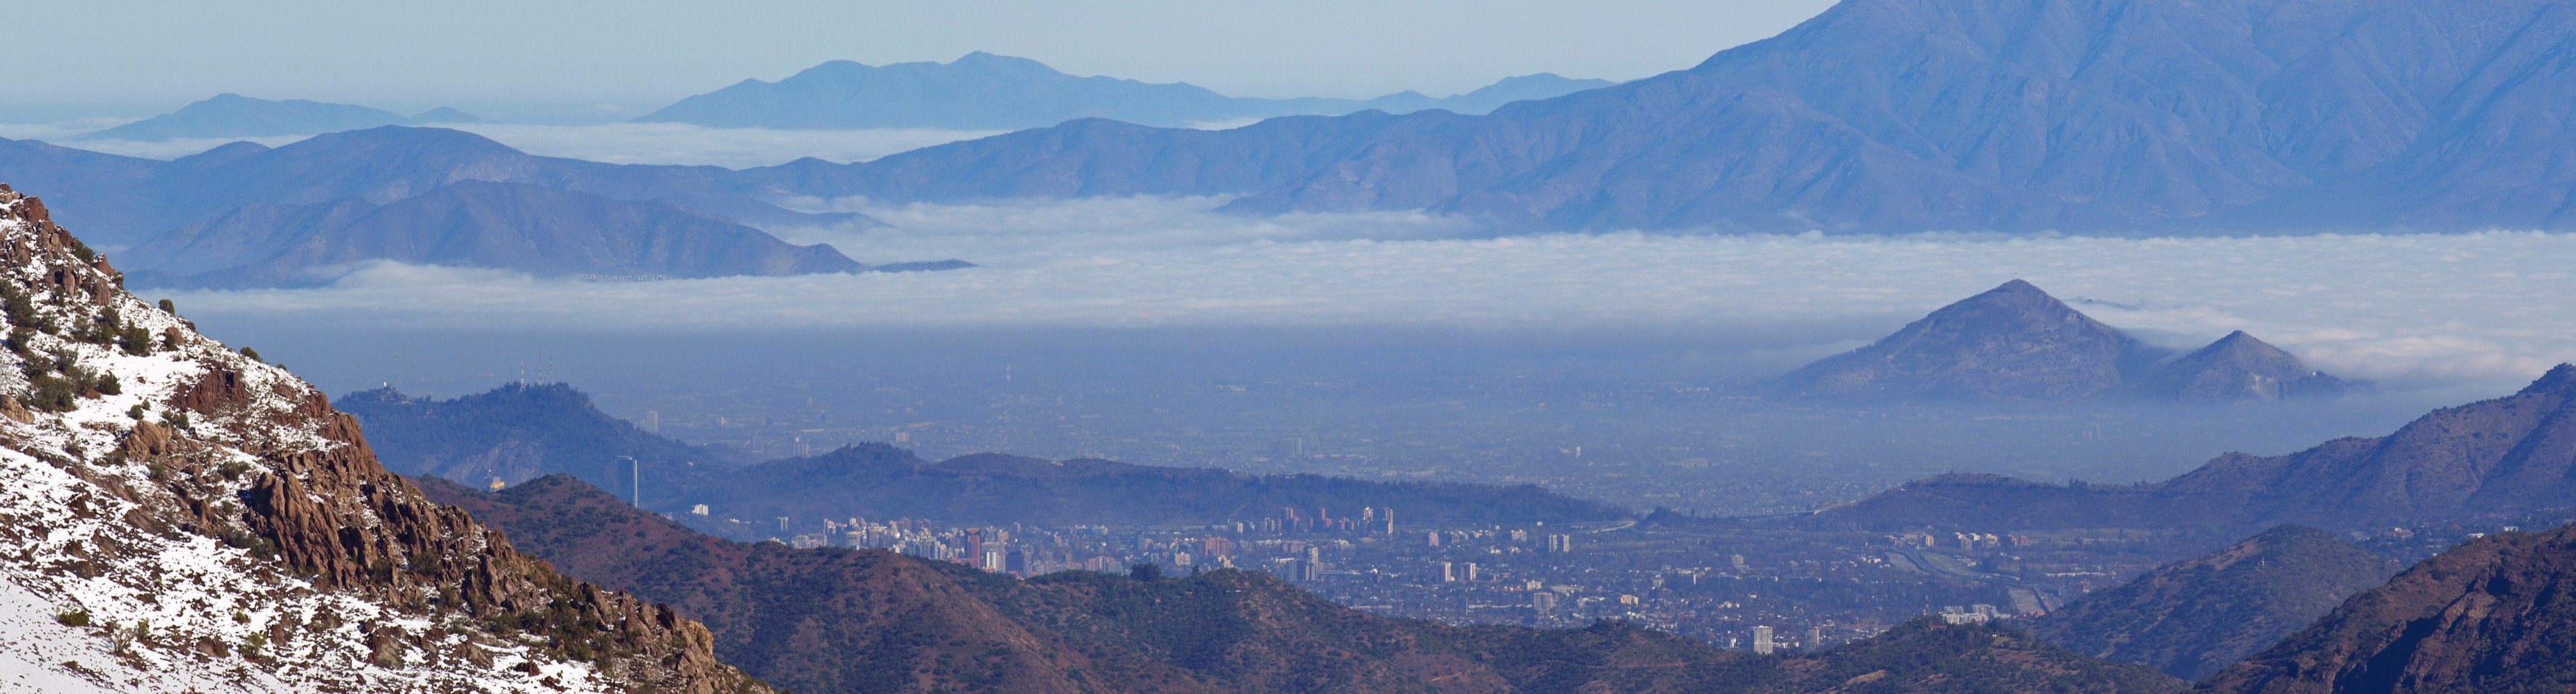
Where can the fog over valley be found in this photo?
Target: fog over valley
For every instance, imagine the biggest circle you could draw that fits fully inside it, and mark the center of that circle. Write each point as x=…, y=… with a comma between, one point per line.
x=1147, y=347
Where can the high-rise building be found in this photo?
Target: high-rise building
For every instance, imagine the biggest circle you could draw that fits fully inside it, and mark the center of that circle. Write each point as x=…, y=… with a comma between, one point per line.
x=1762, y=643
x=1017, y=561
x=994, y=561
x=1448, y=572
x=1390, y=521
x=1815, y=639
x=652, y=421
x=1471, y=572
x=1435, y=538
x=1543, y=601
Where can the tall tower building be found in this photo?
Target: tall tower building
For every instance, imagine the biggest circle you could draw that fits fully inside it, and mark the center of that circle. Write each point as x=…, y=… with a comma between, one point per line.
x=1762, y=644
x=1390, y=521
x=1815, y=638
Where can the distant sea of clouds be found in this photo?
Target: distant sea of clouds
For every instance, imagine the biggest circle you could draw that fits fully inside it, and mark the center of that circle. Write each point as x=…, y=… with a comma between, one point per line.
x=2398, y=308
x=2430, y=309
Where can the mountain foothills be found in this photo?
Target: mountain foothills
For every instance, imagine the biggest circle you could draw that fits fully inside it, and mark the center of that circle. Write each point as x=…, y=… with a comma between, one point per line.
x=2492, y=615
x=983, y=91
x=2481, y=462
x=234, y=115
x=831, y=620
x=1914, y=115
x=519, y=432
x=184, y=518
x=2193, y=617
x=2015, y=342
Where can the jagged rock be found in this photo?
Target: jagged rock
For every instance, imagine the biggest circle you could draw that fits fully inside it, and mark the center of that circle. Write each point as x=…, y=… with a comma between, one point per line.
x=310, y=533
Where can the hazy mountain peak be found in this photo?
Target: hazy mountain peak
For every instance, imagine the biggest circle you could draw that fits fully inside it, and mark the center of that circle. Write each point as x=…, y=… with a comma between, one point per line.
x=473, y=223
x=2237, y=367
x=988, y=91
x=234, y=115
x=2013, y=342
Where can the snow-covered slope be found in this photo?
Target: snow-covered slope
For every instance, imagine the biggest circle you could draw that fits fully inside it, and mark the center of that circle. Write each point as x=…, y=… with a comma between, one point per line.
x=176, y=516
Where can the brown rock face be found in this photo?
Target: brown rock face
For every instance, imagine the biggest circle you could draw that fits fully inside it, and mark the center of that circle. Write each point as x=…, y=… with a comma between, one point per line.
x=318, y=505
x=2493, y=615
x=2193, y=617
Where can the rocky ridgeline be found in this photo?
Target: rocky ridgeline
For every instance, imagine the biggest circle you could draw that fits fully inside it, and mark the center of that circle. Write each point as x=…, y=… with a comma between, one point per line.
x=177, y=516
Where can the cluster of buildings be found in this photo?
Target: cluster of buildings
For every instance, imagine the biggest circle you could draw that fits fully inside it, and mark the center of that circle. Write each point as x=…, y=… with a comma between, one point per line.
x=1759, y=589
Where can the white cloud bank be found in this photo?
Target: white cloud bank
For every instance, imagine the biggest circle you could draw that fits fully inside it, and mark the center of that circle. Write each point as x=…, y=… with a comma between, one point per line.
x=2446, y=308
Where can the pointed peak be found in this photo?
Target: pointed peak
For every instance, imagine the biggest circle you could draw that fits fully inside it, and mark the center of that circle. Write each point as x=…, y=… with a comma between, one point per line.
x=2559, y=381
x=2241, y=341
x=984, y=59
x=2017, y=295
x=2017, y=286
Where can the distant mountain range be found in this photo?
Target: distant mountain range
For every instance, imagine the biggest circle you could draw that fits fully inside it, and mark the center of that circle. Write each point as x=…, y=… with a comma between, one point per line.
x=288, y=215
x=2192, y=618
x=2492, y=615
x=542, y=231
x=519, y=432
x=234, y=115
x=834, y=621
x=2015, y=342
x=1878, y=116
x=983, y=91
x=1894, y=116
x=2480, y=462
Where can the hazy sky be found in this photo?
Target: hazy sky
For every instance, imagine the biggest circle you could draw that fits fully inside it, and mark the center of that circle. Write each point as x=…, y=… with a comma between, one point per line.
x=637, y=54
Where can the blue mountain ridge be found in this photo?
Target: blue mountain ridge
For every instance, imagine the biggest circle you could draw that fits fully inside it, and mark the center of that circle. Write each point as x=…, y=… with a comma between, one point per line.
x=983, y=91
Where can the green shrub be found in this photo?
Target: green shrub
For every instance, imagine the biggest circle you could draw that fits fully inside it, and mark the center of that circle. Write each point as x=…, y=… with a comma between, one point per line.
x=134, y=340
x=72, y=618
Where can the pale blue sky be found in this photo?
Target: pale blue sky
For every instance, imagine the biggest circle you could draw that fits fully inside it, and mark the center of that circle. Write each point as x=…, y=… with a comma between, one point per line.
x=641, y=54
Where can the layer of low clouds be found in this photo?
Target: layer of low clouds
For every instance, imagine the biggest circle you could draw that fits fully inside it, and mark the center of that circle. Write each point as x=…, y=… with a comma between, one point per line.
x=2401, y=308
x=616, y=143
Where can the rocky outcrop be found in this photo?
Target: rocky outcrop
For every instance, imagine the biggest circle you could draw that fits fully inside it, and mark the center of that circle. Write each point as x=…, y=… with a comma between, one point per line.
x=2492, y=615
x=300, y=564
